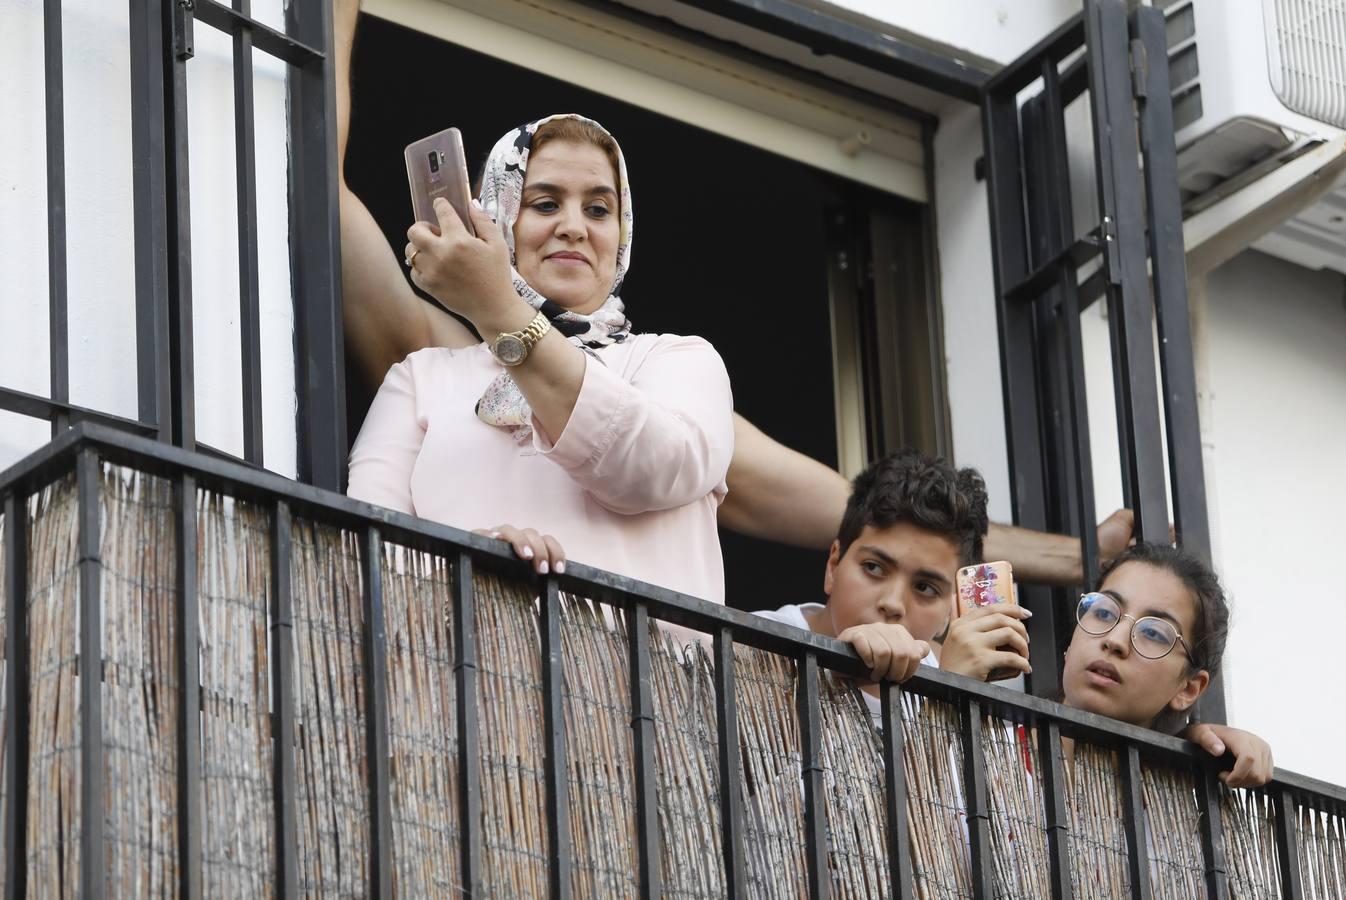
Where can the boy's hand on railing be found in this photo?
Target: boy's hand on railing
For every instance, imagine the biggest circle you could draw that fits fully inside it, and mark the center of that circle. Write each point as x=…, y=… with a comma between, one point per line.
x=890, y=652
x=1253, y=765
x=542, y=550
x=986, y=639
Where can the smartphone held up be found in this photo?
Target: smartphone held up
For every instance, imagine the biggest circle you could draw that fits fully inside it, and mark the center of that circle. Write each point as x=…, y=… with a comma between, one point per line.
x=985, y=584
x=437, y=167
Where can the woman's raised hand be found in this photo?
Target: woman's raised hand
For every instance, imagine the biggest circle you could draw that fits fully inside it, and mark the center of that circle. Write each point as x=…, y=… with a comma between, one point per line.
x=542, y=550
x=469, y=275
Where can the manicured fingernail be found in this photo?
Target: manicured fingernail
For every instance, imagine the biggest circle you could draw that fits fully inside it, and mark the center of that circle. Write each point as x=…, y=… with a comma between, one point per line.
x=542, y=567
x=1219, y=748
x=527, y=552
x=496, y=535
x=1028, y=613
x=560, y=567
x=477, y=203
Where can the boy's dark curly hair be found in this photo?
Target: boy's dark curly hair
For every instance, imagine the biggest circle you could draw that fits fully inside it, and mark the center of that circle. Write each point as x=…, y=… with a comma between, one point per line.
x=909, y=486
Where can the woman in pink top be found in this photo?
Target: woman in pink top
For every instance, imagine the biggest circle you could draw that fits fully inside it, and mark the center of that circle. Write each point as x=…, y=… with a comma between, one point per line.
x=562, y=420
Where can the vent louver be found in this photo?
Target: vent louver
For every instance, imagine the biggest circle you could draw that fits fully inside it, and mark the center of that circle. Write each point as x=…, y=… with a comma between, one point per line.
x=1306, y=56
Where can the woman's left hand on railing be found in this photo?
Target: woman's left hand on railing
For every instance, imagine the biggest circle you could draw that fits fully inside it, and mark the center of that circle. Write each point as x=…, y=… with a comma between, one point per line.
x=1253, y=765
x=542, y=550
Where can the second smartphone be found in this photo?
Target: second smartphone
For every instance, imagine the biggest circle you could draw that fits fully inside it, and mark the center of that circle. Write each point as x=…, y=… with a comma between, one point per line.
x=985, y=584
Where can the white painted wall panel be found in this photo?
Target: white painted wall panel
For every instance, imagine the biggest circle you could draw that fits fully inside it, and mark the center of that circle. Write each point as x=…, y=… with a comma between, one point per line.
x=999, y=30
x=1277, y=478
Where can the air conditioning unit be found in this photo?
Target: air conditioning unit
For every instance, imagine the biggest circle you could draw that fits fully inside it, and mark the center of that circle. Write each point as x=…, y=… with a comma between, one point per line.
x=1259, y=105
x=1255, y=82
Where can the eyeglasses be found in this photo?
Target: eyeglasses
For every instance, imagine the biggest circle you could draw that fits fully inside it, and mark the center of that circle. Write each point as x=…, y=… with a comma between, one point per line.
x=1152, y=637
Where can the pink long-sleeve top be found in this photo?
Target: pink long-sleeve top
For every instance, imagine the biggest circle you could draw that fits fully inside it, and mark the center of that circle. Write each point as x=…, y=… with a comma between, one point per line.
x=631, y=485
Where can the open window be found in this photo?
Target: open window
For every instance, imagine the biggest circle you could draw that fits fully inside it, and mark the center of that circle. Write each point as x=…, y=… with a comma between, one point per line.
x=815, y=287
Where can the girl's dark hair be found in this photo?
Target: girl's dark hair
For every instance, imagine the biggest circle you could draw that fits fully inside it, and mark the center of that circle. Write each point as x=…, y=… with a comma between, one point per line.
x=1211, y=630
x=909, y=486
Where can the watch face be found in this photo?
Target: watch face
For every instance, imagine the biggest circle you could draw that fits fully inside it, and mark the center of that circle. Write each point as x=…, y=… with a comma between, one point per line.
x=510, y=350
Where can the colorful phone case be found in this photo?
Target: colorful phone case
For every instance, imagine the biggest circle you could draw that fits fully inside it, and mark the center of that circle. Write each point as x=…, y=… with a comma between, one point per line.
x=984, y=585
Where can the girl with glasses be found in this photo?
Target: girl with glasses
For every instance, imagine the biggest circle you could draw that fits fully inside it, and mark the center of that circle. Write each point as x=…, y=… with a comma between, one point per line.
x=1146, y=646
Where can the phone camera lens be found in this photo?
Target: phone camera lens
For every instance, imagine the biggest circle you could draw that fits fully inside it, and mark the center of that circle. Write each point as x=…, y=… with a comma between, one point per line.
x=434, y=161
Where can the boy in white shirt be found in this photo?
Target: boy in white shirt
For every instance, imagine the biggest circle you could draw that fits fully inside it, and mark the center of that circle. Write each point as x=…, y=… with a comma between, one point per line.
x=910, y=523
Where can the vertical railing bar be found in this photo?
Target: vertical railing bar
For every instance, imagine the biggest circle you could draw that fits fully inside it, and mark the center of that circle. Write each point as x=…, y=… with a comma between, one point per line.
x=898, y=843
x=285, y=785
x=1212, y=833
x=1168, y=261
x=189, y=688
x=1009, y=246
x=978, y=806
x=1169, y=264
x=58, y=312
x=1048, y=209
x=178, y=194
x=808, y=708
x=1134, y=824
x=1117, y=154
x=375, y=639
x=1053, y=767
x=17, y=690
x=469, y=731
x=731, y=775
x=1287, y=844
x=643, y=748
x=250, y=333
x=1016, y=329
x=558, y=783
x=92, y=876
x=1067, y=290
x=148, y=170
x=316, y=253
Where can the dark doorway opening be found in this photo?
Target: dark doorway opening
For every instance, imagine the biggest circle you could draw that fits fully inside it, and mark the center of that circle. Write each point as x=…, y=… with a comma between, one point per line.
x=732, y=243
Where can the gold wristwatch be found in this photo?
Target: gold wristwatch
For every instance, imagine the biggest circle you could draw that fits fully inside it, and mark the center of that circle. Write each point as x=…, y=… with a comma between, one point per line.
x=513, y=347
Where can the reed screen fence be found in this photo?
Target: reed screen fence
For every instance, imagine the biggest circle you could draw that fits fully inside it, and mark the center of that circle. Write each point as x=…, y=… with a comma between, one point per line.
x=300, y=694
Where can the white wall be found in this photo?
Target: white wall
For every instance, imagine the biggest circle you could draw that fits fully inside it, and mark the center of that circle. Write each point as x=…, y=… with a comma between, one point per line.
x=100, y=226
x=1276, y=434
x=967, y=287
x=997, y=30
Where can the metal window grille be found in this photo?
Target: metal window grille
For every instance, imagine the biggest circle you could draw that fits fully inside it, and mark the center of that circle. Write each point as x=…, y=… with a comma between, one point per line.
x=161, y=48
x=1038, y=261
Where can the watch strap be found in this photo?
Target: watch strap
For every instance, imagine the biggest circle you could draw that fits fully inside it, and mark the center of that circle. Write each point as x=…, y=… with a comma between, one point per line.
x=528, y=336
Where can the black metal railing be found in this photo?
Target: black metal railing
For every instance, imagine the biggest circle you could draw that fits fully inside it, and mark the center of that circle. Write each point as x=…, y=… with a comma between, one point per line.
x=1038, y=260
x=160, y=47
x=85, y=449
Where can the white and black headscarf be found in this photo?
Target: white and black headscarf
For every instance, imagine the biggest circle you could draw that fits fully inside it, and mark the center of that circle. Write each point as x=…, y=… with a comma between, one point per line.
x=502, y=181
